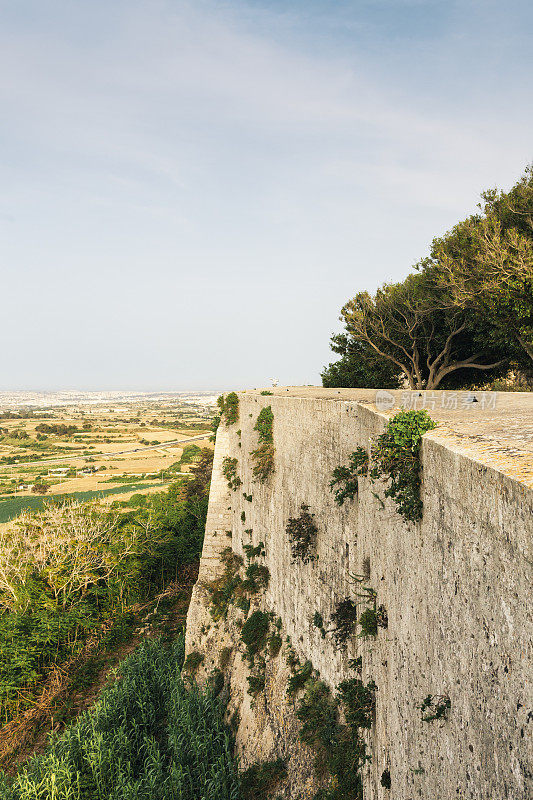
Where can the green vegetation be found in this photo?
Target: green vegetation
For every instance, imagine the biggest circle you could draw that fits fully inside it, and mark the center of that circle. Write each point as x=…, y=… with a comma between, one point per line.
x=254, y=632
x=148, y=737
x=263, y=455
x=369, y=623
x=224, y=590
x=257, y=577
x=229, y=408
x=358, y=701
x=359, y=365
x=193, y=661
x=302, y=533
x=9, y=509
x=253, y=552
x=433, y=708
x=191, y=453
x=256, y=683
x=318, y=622
x=57, y=430
x=260, y=779
x=299, y=679
x=70, y=568
x=340, y=748
x=229, y=470
x=344, y=620
x=385, y=779
x=396, y=457
x=465, y=313
x=348, y=476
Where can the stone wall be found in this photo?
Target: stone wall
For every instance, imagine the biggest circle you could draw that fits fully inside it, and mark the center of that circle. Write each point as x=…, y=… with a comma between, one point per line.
x=456, y=588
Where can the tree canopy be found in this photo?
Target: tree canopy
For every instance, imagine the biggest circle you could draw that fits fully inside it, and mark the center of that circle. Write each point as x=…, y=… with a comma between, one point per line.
x=467, y=310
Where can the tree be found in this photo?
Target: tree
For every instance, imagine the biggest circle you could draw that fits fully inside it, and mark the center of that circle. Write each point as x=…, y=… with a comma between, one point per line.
x=359, y=366
x=425, y=337
x=469, y=308
x=494, y=280
x=40, y=488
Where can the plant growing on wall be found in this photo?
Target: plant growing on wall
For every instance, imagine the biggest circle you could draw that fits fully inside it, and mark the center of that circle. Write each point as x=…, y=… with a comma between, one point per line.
x=433, y=707
x=318, y=622
x=254, y=633
x=345, y=481
x=231, y=408
x=229, y=470
x=228, y=408
x=358, y=700
x=223, y=589
x=193, y=661
x=340, y=749
x=344, y=620
x=263, y=455
x=396, y=457
x=368, y=622
x=302, y=533
x=259, y=780
x=257, y=577
x=253, y=552
x=215, y=422
x=299, y=679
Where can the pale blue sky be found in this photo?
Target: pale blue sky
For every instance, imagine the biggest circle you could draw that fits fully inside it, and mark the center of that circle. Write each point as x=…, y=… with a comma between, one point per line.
x=191, y=191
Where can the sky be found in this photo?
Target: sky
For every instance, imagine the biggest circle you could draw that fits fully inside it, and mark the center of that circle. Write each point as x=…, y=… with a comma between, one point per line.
x=190, y=191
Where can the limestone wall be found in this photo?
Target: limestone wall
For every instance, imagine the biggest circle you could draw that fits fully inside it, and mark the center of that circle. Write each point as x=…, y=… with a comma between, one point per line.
x=456, y=588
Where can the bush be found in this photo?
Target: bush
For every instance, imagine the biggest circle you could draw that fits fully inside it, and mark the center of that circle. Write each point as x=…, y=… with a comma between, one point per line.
x=257, y=577
x=299, y=679
x=369, y=623
x=348, y=476
x=193, y=661
x=223, y=589
x=254, y=632
x=257, y=781
x=344, y=620
x=302, y=533
x=256, y=684
x=359, y=702
x=229, y=470
x=396, y=457
x=229, y=407
x=66, y=570
x=263, y=455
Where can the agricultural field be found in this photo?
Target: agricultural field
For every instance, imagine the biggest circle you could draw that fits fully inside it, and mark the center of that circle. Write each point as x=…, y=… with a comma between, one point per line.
x=89, y=448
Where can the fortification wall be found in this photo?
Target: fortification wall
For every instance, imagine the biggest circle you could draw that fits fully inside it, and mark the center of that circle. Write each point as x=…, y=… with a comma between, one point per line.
x=456, y=587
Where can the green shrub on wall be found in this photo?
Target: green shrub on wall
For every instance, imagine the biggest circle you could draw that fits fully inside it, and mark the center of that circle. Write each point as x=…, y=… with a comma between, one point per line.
x=229, y=470
x=396, y=457
x=231, y=408
x=254, y=632
x=263, y=455
x=345, y=479
x=302, y=533
x=228, y=411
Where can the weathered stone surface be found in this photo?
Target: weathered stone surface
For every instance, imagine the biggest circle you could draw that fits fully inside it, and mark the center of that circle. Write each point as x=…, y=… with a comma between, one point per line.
x=456, y=587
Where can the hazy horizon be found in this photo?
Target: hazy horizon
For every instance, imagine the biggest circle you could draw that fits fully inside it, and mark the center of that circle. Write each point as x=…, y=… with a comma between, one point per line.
x=191, y=191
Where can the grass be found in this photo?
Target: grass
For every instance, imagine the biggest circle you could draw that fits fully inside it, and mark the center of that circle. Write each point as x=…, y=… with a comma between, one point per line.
x=148, y=738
